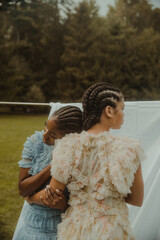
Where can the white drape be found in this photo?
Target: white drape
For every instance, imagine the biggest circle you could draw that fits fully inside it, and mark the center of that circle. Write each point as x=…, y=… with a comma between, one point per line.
x=142, y=121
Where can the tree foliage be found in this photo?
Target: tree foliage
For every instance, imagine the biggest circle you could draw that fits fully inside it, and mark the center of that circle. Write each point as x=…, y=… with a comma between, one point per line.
x=78, y=66
x=55, y=51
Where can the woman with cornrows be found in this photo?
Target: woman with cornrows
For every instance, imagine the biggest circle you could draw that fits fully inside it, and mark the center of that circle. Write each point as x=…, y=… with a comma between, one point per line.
x=102, y=172
x=37, y=221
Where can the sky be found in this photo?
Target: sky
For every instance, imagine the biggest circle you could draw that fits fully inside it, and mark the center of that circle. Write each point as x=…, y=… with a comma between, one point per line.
x=103, y=4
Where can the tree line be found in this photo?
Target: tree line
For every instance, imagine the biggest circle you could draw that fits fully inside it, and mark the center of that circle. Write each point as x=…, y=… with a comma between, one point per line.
x=52, y=51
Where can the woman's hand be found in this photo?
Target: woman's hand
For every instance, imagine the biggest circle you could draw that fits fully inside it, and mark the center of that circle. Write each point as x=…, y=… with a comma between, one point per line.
x=54, y=199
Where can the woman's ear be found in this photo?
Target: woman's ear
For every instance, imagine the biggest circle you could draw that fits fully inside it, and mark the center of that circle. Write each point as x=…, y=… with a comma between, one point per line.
x=109, y=111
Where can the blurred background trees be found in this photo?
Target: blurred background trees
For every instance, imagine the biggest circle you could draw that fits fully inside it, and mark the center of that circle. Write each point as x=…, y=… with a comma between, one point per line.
x=52, y=51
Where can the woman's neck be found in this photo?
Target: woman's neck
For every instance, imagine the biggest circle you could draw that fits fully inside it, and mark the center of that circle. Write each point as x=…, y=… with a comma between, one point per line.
x=98, y=128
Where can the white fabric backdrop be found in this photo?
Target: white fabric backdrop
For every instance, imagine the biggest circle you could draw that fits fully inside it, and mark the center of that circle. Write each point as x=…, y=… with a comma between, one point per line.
x=142, y=121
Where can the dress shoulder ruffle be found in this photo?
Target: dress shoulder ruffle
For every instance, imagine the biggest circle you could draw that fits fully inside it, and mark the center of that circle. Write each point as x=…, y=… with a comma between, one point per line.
x=124, y=159
x=37, y=152
x=28, y=150
x=62, y=158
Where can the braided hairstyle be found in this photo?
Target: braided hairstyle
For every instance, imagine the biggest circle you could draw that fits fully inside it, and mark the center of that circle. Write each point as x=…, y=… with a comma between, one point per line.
x=68, y=119
x=95, y=99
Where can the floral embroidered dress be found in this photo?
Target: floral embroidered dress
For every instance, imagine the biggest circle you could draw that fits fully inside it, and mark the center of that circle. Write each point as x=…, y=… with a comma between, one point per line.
x=98, y=171
x=36, y=222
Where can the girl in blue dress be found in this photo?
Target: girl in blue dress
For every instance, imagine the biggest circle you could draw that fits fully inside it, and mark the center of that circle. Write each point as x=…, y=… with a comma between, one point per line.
x=39, y=222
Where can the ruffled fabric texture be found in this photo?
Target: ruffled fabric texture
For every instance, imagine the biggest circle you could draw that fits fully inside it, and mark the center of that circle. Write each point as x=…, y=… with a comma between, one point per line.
x=87, y=227
x=124, y=160
x=59, y=166
x=98, y=171
x=36, y=150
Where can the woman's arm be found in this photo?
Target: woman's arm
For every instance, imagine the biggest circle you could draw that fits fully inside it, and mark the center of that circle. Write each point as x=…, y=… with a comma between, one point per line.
x=28, y=184
x=52, y=196
x=137, y=190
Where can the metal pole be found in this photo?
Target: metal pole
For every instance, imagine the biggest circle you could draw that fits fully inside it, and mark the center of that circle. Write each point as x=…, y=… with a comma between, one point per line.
x=25, y=103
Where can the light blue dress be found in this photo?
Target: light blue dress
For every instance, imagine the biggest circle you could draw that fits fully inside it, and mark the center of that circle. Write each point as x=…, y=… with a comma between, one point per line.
x=36, y=222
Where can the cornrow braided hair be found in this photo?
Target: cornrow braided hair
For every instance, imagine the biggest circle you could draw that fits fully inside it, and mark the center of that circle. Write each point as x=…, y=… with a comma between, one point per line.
x=68, y=119
x=95, y=99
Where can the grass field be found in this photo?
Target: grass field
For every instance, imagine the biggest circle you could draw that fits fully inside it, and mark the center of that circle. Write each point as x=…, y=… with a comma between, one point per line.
x=13, y=132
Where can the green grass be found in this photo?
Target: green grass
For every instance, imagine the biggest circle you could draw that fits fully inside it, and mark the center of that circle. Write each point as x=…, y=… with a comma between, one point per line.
x=14, y=129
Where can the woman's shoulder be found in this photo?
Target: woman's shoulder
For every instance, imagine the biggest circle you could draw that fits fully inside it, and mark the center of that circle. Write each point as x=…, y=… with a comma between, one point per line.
x=121, y=143
x=67, y=139
x=34, y=141
x=124, y=158
x=124, y=141
x=36, y=137
x=37, y=151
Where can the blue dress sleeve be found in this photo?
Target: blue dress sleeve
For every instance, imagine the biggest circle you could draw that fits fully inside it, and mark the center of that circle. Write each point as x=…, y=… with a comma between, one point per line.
x=28, y=152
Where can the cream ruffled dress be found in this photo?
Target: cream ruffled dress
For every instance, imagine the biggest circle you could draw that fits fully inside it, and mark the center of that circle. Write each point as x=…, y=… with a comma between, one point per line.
x=98, y=171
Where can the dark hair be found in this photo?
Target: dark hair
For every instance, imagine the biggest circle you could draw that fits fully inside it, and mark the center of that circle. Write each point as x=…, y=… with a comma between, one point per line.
x=68, y=119
x=95, y=99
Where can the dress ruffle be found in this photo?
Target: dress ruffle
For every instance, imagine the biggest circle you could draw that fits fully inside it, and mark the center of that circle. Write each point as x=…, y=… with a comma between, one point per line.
x=25, y=163
x=60, y=173
x=124, y=160
x=83, y=225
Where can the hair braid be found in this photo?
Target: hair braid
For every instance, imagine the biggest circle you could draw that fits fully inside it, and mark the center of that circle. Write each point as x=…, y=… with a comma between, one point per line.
x=68, y=119
x=95, y=99
x=86, y=99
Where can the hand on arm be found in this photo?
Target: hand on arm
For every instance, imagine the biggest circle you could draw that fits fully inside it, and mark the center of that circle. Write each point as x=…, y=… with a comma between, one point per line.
x=29, y=184
x=51, y=196
x=54, y=199
x=137, y=190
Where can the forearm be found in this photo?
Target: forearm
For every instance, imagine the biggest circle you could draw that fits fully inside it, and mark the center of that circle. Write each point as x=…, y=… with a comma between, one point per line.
x=30, y=184
x=36, y=198
x=49, y=198
x=56, y=203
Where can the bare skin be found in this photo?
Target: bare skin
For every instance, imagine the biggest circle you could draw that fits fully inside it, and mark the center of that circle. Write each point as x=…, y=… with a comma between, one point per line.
x=137, y=190
x=53, y=198
x=39, y=197
x=29, y=184
x=109, y=116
